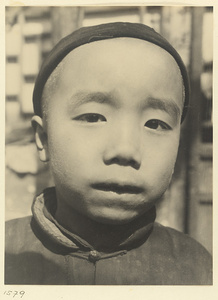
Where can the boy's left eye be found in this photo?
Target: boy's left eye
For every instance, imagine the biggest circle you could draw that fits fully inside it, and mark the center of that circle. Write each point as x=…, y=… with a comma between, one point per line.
x=157, y=125
x=91, y=118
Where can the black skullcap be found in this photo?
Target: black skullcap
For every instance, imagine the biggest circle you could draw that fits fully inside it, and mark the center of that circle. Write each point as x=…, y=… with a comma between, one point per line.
x=91, y=34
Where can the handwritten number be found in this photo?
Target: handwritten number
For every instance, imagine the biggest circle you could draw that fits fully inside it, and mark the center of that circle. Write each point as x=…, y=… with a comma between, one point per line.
x=14, y=293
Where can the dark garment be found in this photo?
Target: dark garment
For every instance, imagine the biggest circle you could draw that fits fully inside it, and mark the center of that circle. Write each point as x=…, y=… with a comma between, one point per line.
x=40, y=251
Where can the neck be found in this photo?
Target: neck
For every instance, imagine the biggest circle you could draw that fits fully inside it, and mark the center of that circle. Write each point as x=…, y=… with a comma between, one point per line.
x=103, y=236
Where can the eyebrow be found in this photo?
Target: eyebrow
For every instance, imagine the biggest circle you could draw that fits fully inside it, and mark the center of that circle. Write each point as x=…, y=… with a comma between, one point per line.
x=81, y=98
x=166, y=105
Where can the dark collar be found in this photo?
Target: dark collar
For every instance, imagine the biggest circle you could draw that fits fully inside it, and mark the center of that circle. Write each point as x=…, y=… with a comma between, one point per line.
x=43, y=210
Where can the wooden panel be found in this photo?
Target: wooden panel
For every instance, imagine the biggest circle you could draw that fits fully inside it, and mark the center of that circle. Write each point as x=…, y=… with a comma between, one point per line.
x=26, y=96
x=13, y=41
x=64, y=21
x=13, y=79
x=30, y=59
x=199, y=222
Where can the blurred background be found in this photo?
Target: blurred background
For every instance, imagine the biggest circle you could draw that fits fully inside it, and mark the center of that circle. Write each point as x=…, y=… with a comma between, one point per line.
x=31, y=32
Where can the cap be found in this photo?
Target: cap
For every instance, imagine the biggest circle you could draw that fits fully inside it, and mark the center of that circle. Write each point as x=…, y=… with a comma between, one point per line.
x=91, y=34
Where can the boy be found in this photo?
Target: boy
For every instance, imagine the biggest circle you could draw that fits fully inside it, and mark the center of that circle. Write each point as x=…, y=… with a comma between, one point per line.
x=108, y=102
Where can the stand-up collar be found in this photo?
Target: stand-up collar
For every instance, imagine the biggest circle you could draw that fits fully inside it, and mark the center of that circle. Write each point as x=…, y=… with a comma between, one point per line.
x=134, y=235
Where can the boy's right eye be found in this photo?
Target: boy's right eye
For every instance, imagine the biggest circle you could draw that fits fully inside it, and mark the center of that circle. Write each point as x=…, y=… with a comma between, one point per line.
x=90, y=118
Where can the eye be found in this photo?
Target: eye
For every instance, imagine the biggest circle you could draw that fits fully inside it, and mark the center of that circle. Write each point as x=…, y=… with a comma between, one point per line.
x=91, y=118
x=157, y=125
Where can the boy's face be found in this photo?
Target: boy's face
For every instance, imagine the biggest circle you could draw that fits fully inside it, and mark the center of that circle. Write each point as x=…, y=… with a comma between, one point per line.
x=113, y=126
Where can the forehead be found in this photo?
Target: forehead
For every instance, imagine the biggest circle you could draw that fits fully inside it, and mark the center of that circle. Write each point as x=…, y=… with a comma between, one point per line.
x=126, y=66
x=133, y=57
x=125, y=50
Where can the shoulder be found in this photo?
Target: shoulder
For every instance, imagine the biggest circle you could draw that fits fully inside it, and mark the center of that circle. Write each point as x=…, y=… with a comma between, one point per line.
x=17, y=222
x=183, y=253
x=14, y=226
x=180, y=243
x=27, y=260
x=18, y=232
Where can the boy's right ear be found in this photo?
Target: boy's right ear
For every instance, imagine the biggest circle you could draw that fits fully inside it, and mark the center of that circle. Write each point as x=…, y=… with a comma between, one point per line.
x=40, y=138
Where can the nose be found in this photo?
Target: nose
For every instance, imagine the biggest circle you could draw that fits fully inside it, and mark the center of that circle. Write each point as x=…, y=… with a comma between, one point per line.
x=123, y=148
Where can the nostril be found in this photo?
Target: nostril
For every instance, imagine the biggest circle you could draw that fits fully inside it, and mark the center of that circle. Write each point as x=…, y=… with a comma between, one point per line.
x=135, y=164
x=122, y=161
x=111, y=161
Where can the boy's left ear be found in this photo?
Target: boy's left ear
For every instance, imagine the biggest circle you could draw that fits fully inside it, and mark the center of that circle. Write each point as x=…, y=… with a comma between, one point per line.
x=40, y=138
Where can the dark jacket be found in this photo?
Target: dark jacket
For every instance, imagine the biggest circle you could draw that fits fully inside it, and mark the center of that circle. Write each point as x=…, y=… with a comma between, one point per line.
x=40, y=251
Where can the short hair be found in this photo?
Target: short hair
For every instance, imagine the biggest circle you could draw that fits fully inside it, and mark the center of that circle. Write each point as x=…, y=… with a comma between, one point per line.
x=51, y=86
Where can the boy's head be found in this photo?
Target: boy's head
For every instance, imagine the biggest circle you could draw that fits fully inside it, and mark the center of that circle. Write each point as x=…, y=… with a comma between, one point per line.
x=109, y=123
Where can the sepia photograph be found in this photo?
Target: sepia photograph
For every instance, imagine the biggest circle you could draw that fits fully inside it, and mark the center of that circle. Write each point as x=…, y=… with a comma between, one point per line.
x=108, y=145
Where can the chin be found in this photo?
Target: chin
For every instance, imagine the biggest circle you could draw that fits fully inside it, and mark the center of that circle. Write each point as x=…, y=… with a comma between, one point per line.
x=111, y=217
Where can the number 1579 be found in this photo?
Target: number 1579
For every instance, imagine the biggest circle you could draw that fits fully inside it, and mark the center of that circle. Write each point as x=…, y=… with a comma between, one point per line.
x=14, y=293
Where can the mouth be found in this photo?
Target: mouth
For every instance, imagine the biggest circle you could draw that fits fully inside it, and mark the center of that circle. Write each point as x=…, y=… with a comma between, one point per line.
x=118, y=188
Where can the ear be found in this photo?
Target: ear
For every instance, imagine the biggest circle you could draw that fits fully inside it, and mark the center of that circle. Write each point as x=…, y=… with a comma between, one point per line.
x=40, y=138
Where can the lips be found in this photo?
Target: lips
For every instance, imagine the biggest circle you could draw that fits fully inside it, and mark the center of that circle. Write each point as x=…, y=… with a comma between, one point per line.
x=118, y=188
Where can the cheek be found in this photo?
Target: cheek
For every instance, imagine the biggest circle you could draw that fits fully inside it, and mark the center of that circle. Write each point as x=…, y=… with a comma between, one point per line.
x=160, y=159
x=64, y=156
x=71, y=153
